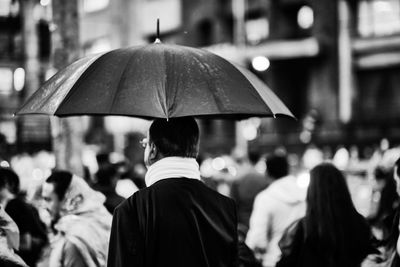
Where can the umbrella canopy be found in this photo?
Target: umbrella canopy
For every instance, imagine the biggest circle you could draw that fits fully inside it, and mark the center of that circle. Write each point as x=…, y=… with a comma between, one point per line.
x=155, y=81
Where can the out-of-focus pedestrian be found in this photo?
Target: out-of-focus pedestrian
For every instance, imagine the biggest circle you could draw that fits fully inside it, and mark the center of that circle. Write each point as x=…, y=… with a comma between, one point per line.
x=393, y=242
x=81, y=221
x=388, y=203
x=177, y=220
x=275, y=208
x=332, y=233
x=107, y=178
x=9, y=241
x=33, y=236
x=243, y=190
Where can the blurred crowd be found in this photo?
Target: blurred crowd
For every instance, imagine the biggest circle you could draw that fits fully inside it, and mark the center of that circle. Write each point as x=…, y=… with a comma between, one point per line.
x=288, y=206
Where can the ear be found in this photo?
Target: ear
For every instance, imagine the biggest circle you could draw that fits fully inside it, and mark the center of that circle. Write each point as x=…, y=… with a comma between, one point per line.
x=153, y=154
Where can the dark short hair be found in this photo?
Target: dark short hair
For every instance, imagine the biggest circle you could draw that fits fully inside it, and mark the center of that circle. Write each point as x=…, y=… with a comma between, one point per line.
x=277, y=165
x=105, y=174
x=397, y=164
x=61, y=181
x=254, y=156
x=9, y=178
x=175, y=137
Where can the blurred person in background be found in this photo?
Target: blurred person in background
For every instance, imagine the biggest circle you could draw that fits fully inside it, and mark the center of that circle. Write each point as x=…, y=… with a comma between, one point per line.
x=392, y=245
x=107, y=178
x=80, y=221
x=275, y=208
x=33, y=236
x=176, y=220
x=388, y=203
x=9, y=241
x=332, y=233
x=245, y=188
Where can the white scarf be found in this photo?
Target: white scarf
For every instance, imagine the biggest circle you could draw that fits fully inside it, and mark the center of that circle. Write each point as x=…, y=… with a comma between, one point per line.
x=172, y=167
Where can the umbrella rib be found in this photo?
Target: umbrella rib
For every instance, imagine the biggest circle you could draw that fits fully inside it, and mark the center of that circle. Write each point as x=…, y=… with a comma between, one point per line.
x=114, y=97
x=166, y=107
x=216, y=101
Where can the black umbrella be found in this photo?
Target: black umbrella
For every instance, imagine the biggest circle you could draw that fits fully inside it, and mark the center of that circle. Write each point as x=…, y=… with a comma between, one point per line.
x=155, y=81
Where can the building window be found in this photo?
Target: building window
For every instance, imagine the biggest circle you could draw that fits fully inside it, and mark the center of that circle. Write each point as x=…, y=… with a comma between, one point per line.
x=378, y=17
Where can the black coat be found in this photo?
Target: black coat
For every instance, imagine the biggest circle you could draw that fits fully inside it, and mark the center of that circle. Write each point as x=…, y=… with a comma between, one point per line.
x=175, y=222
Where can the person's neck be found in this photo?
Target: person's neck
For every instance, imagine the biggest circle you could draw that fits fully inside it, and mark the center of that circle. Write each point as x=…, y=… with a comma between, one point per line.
x=172, y=167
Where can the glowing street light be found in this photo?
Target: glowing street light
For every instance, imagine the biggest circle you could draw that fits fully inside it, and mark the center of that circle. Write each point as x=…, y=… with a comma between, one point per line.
x=44, y=2
x=19, y=79
x=260, y=63
x=305, y=17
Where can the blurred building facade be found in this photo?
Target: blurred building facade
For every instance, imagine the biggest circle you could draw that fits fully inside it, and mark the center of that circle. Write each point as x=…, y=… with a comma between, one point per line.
x=334, y=63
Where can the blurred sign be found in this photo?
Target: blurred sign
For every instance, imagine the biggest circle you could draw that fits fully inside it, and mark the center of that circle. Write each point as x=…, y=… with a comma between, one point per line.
x=257, y=30
x=5, y=7
x=94, y=5
x=6, y=81
x=168, y=11
x=121, y=124
x=9, y=129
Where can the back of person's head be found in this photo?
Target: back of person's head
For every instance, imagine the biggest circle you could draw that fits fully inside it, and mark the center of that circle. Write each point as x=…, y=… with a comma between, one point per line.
x=175, y=137
x=106, y=174
x=254, y=156
x=103, y=159
x=327, y=190
x=61, y=181
x=397, y=167
x=331, y=219
x=9, y=179
x=277, y=165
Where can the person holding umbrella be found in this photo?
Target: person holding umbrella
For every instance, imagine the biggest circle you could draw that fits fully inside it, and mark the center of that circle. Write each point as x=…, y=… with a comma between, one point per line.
x=177, y=220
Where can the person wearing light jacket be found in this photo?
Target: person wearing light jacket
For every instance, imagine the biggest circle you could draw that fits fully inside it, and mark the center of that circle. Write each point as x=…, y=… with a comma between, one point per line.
x=274, y=209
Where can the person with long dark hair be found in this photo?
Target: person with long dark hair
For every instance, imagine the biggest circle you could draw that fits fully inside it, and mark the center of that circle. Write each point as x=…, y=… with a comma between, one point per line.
x=332, y=233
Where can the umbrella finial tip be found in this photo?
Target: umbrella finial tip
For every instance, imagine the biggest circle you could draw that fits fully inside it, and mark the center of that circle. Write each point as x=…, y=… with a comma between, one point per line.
x=158, y=28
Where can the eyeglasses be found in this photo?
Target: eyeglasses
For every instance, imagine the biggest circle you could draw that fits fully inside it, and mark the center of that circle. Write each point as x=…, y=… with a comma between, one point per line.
x=144, y=142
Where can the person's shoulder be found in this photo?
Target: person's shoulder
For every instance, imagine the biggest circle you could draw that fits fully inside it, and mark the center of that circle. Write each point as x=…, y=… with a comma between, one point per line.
x=215, y=194
x=286, y=181
x=134, y=199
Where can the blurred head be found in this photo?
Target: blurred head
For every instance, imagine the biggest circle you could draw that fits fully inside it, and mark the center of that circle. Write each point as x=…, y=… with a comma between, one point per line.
x=396, y=175
x=176, y=137
x=107, y=176
x=254, y=156
x=277, y=165
x=53, y=192
x=9, y=182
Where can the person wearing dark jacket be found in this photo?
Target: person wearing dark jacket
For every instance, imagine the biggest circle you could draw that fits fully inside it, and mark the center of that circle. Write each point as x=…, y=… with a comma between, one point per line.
x=177, y=220
x=332, y=233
